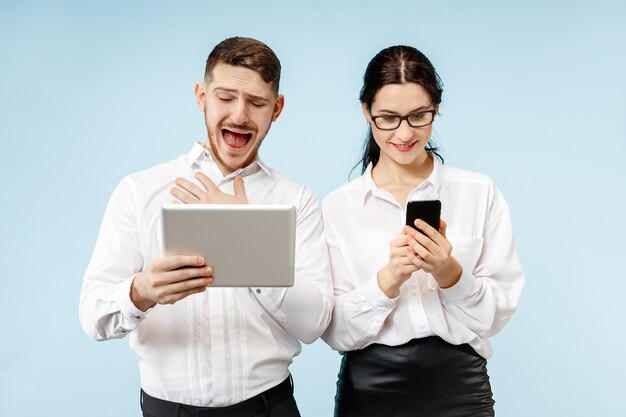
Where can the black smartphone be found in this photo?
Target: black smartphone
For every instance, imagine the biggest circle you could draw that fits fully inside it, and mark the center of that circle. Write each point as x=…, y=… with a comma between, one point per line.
x=427, y=210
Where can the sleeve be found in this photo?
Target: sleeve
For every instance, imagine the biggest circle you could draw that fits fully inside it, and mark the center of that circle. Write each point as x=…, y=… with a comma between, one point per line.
x=304, y=310
x=360, y=310
x=106, y=311
x=488, y=293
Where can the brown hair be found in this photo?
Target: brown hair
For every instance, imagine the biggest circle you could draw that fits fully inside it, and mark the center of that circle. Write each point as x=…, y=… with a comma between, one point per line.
x=245, y=52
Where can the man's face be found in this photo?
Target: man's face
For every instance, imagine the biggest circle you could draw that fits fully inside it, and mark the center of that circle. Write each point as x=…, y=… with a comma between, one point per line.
x=239, y=108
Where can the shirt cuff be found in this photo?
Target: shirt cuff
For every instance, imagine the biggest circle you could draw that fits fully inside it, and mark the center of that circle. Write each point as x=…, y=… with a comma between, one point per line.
x=372, y=293
x=132, y=315
x=459, y=291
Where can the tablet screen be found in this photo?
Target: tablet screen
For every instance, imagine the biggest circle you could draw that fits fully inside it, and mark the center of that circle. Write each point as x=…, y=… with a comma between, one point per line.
x=248, y=245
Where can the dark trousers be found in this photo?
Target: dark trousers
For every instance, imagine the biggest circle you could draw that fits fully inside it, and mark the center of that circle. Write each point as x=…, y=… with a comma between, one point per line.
x=275, y=402
x=423, y=378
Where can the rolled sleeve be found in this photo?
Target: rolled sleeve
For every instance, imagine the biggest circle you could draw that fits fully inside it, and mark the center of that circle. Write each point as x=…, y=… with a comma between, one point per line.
x=464, y=288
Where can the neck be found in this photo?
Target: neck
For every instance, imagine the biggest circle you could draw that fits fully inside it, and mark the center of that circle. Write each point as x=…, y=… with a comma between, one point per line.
x=388, y=171
x=398, y=179
x=218, y=161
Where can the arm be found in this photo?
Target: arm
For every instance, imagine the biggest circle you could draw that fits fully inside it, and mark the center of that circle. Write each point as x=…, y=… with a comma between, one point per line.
x=361, y=308
x=304, y=310
x=116, y=292
x=360, y=311
x=481, y=290
x=106, y=311
x=487, y=295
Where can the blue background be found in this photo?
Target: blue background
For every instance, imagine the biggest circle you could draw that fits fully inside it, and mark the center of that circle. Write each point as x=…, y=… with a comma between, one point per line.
x=535, y=97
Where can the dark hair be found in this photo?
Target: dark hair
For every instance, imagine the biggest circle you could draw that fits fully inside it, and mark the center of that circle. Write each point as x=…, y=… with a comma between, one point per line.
x=245, y=52
x=397, y=65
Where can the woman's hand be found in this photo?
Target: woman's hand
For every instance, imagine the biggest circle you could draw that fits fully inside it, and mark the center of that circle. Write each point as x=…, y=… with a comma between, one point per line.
x=431, y=252
x=399, y=268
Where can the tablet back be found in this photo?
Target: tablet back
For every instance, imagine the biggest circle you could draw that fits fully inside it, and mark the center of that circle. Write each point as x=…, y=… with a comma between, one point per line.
x=248, y=245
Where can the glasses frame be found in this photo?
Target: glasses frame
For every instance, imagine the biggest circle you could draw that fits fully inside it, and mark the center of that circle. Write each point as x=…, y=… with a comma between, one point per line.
x=433, y=112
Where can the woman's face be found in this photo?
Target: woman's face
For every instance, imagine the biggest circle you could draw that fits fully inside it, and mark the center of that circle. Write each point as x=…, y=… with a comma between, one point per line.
x=404, y=145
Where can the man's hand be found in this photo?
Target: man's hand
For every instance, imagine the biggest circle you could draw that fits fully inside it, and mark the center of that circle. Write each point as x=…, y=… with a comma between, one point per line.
x=170, y=279
x=193, y=194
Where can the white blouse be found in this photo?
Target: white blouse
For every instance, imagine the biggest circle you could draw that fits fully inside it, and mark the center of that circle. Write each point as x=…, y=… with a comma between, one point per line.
x=360, y=220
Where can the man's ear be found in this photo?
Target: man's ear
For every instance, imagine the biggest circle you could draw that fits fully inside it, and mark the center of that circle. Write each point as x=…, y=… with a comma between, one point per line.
x=200, y=92
x=278, y=107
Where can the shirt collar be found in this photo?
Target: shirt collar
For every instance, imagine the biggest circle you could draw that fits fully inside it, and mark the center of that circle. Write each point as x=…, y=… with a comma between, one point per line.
x=435, y=179
x=199, y=154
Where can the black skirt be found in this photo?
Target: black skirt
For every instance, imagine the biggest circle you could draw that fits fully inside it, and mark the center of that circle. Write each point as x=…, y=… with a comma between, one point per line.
x=426, y=377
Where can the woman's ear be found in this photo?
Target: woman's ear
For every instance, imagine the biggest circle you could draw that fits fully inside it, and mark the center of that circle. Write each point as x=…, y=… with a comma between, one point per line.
x=366, y=112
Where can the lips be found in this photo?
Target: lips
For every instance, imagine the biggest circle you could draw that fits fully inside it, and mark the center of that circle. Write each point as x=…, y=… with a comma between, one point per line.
x=236, y=140
x=403, y=147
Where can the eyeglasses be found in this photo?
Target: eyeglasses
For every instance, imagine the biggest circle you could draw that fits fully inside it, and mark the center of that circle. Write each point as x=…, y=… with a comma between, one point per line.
x=389, y=122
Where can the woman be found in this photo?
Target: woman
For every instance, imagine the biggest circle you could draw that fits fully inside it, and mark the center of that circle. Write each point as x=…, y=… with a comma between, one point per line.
x=413, y=312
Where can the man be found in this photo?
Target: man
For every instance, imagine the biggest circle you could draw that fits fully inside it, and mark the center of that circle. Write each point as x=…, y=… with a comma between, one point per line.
x=210, y=351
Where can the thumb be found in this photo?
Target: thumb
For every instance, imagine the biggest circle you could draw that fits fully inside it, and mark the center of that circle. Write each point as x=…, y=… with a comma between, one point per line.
x=240, y=192
x=442, y=227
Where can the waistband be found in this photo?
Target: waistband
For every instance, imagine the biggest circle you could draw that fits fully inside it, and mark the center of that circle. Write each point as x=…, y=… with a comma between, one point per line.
x=248, y=408
x=423, y=342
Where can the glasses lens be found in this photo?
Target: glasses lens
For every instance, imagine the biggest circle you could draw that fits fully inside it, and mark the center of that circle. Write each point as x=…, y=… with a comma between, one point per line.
x=420, y=119
x=387, y=122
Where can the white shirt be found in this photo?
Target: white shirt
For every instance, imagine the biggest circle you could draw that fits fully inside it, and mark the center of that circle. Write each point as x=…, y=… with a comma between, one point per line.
x=222, y=346
x=360, y=222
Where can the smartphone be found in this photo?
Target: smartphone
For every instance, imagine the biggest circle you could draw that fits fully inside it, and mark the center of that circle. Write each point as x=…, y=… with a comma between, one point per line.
x=427, y=210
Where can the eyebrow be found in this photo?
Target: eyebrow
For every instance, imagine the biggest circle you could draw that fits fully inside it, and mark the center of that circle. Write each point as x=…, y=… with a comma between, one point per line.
x=252, y=96
x=417, y=110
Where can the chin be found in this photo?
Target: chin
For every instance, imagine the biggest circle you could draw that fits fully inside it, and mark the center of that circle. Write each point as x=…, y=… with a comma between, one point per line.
x=234, y=165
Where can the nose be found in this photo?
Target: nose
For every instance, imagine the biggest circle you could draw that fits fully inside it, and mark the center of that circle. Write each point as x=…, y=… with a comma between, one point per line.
x=404, y=132
x=239, y=114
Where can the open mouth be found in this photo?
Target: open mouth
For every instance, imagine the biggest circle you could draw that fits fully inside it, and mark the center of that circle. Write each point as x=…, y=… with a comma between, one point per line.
x=236, y=140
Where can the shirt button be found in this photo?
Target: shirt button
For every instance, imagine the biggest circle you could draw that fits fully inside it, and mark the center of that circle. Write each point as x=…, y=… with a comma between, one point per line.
x=137, y=317
x=258, y=291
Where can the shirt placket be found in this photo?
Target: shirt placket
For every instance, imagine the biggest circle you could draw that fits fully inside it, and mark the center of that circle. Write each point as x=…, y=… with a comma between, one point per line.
x=416, y=306
x=217, y=353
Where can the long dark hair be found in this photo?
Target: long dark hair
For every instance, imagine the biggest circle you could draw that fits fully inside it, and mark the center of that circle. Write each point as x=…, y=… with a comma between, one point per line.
x=397, y=65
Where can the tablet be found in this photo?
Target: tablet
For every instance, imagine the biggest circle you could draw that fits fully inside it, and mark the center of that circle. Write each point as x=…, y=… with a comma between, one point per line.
x=248, y=245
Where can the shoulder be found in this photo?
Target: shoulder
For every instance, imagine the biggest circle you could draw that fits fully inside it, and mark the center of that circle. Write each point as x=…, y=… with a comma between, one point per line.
x=155, y=177
x=466, y=183
x=139, y=188
x=287, y=185
x=343, y=198
x=472, y=189
x=157, y=172
x=281, y=189
x=347, y=192
x=462, y=176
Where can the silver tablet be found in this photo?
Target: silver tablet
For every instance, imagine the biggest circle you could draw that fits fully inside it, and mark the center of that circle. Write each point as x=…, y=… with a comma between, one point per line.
x=248, y=245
